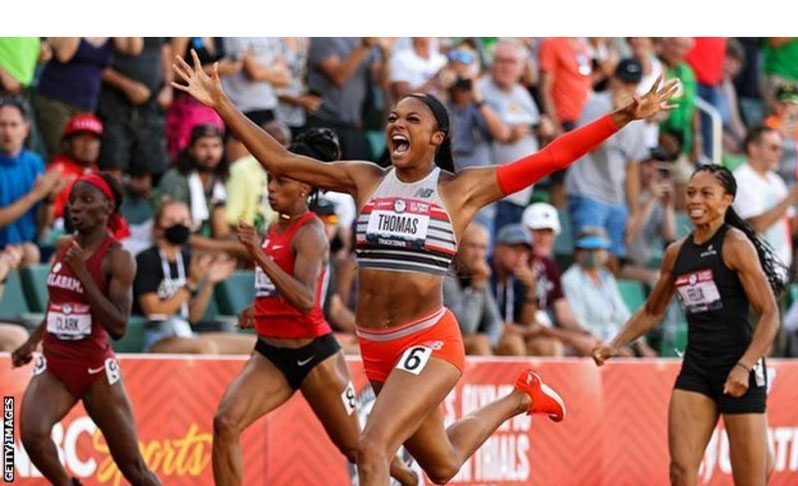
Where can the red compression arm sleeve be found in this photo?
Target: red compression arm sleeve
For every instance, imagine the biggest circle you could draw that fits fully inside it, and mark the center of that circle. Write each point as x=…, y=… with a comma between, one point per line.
x=557, y=155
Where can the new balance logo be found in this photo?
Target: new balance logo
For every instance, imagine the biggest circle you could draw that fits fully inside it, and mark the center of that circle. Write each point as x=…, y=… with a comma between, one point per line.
x=424, y=192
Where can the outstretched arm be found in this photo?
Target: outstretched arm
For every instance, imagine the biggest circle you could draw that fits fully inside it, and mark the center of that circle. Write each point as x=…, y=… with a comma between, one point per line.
x=650, y=314
x=483, y=185
x=338, y=176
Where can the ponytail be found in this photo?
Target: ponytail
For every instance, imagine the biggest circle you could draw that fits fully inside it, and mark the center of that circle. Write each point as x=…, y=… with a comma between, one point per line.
x=443, y=156
x=777, y=273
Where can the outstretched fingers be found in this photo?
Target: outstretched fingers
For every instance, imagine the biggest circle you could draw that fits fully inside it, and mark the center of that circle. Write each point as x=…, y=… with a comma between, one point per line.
x=670, y=89
x=197, y=63
x=184, y=67
x=655, y=86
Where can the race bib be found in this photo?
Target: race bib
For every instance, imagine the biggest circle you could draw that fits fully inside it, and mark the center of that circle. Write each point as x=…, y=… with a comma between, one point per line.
x=399, y=223
x=264, y=287
x=69, y=321
x=39, y=365
x=698, y=292
x=112, y=370
x=349, y=398
x=414, y=359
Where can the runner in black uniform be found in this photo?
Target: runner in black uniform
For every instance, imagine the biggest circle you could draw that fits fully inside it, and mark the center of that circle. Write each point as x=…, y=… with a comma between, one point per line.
x=717, y=271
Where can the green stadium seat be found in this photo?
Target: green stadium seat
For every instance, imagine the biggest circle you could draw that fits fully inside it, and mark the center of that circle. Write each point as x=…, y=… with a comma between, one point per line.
x=632, y=294
x=564, y=244
x=376, y=142
x=133, y=340
x=13, y=305
x=212, y=311
x=34, y=284
x=792, y=295
x=236, y=293
x=674, y=343
x=683, y=224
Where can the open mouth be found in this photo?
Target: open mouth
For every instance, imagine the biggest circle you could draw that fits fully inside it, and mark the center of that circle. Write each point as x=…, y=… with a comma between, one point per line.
x=400, y=144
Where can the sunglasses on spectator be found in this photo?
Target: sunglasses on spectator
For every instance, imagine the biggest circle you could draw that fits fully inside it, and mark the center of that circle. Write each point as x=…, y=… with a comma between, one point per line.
x=461, y=56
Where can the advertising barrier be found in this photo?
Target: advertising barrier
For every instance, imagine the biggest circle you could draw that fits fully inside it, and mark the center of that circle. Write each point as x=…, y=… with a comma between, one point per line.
x=615, y=433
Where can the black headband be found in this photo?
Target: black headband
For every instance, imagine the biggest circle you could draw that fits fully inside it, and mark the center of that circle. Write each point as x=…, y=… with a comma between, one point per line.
x=437, y=109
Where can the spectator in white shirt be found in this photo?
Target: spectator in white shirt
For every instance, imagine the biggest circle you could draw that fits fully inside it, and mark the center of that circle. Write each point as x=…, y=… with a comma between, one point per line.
x=417, y=69
x=762, y=195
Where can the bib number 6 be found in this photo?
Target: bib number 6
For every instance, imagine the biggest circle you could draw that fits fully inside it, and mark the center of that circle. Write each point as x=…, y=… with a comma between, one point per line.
x=414, y=359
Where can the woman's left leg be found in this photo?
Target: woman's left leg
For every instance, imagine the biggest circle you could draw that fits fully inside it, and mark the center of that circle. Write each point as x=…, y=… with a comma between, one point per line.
x=109, y=407
x=407, y=411
x=748, y=447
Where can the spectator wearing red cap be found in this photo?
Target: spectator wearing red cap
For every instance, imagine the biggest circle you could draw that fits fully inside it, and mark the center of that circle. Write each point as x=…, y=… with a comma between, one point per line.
x=80, y=149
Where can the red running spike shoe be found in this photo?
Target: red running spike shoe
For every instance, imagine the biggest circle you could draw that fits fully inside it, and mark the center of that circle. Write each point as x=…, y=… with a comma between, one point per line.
x=544, y=398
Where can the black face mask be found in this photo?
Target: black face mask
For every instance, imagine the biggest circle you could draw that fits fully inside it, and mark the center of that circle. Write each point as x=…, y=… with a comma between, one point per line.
x=177, y=234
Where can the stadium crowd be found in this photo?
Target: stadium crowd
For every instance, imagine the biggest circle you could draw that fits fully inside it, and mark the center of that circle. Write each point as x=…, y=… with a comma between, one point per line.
x=550, y=271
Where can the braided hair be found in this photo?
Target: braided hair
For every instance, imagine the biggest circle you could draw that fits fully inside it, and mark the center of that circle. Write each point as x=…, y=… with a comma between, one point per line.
x=778, y=274
x=319, y=143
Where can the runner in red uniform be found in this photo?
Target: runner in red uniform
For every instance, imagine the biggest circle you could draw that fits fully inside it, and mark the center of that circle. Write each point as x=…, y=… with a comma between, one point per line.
x=296, y=349
x=90, y=288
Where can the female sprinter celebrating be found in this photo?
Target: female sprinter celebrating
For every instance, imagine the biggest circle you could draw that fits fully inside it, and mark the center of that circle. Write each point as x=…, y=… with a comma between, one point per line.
x=90, y=289
x=411, y=217
x=717, y=270
x=296, y=349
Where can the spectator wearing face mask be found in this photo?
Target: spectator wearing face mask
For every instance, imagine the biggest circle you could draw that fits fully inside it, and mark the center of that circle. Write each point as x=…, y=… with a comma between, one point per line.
x=592, y=291
x=173, y=287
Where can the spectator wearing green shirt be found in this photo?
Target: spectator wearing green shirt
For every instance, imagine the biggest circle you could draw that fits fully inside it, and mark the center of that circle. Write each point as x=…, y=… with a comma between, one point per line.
x=780, y=66
x=18, y=59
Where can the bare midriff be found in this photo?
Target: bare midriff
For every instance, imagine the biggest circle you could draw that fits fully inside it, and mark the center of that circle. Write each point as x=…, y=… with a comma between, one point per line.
x=387, y=299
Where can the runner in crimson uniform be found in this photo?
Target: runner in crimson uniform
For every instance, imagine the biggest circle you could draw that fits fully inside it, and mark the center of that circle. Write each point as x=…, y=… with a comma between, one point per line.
x=412, y=215
x=295, y=349
x=90, y=297
x=717, y=271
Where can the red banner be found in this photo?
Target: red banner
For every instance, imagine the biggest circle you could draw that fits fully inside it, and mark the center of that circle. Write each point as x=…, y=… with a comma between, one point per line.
x=615, y=432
